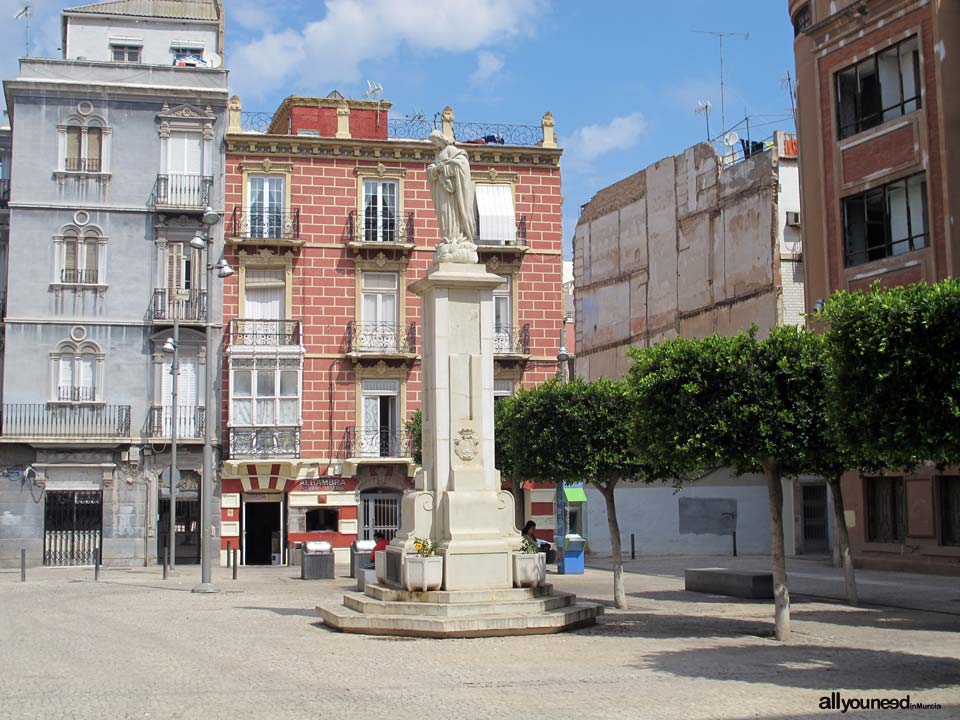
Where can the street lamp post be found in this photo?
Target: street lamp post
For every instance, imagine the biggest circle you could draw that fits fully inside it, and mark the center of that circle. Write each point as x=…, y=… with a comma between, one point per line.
x=173, y=346
x=223, y=270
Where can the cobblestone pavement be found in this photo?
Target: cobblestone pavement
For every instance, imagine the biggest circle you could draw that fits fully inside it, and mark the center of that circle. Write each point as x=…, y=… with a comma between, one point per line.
x=134, y=646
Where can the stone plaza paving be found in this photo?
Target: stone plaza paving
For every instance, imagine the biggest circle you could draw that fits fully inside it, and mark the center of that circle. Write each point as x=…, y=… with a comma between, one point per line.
x=135, y=646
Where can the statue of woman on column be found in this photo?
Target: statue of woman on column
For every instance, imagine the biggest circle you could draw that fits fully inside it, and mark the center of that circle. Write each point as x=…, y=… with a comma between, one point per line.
x=451, y=188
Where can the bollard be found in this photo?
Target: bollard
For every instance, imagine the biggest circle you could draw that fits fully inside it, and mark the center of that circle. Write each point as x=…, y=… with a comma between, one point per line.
x=23, y=564
x=235, y=563
x=633, y=548
x=96, y=564
x=734, y=543
x=166, y=558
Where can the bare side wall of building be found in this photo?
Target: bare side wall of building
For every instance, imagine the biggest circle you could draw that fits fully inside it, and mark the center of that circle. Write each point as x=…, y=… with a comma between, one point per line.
x=678, y=249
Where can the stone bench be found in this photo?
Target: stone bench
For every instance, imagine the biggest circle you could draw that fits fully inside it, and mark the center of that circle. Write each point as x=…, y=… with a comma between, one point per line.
x=718, y=581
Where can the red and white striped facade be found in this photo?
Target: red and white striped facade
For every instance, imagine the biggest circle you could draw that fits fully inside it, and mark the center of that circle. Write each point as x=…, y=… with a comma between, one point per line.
x=328, y=222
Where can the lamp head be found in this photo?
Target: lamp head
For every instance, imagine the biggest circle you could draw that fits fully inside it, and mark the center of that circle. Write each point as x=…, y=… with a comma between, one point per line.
x=198, y=242
x=223, y=268
x=210, y=216
x=169, y=346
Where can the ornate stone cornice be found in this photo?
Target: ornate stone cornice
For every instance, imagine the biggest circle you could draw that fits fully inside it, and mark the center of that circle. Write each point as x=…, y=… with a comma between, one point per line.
x=395, y=150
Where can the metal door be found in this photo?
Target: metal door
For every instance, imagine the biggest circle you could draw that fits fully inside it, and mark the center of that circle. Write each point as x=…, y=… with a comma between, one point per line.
x=379, y=512
x=815, y=519
x=72, y=525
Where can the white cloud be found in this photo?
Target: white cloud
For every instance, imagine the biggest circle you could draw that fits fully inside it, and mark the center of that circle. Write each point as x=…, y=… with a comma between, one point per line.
x=488, y=66
x=592, y=141
x=330, y=51
x=252, y=14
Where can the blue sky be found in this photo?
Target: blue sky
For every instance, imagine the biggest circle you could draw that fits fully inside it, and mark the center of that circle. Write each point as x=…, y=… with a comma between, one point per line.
x=622, y=78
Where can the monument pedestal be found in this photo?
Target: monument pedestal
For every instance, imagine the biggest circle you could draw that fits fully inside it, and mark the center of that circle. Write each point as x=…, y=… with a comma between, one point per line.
x=458, y=501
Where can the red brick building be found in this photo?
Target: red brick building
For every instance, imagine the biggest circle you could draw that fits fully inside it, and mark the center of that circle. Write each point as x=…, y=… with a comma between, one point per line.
x=879, y=120
x=328, y=222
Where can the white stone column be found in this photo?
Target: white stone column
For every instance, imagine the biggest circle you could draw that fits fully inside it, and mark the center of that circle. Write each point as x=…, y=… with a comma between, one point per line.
x=458, y=501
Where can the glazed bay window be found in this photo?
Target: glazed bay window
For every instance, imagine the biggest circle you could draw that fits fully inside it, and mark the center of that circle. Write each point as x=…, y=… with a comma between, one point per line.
x=885, y=509
x=881, y=87
x=380, y=211
x=265, y=396
x=886, y=221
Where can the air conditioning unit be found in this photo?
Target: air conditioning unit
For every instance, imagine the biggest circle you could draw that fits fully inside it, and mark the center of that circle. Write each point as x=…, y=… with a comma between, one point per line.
x=793, y=219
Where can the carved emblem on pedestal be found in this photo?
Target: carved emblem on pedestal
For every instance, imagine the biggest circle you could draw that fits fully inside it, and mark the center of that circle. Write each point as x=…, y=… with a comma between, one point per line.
x=466, y=445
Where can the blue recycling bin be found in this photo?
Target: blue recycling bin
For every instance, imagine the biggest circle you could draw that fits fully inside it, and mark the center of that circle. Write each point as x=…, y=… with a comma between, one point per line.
x=570, y=557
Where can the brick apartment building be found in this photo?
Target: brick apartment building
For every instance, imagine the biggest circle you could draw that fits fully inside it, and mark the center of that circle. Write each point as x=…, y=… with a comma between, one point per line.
x=328, y=222
x=880, y=188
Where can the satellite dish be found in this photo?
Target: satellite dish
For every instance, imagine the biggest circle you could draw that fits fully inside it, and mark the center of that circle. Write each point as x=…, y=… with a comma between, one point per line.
x=213, y=60
x=731, y=139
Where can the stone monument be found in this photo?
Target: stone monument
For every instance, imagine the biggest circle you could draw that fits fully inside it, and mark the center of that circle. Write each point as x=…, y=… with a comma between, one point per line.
x=457, y=501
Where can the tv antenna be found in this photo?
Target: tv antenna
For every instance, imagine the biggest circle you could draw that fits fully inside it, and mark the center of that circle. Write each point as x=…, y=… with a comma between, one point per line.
x=787, y=81
x=373, y=89
x=721, y=36
x=25, y=14
x=703, y=108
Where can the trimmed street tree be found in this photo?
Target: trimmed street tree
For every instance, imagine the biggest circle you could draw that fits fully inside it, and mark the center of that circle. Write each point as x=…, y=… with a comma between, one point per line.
x=893, y=374
x=578, y=431
x=731, y=401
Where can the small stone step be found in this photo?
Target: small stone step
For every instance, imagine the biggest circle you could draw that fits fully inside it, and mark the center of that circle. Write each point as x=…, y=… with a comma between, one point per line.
x=365, y=604
x=580, y=614
x=381, y=592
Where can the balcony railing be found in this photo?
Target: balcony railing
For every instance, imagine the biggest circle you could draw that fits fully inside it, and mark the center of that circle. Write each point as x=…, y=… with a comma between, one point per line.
x=381, y=338
x=518, y=239
x=183, y=305
x=69, y=393
x=383, y=230
x=185, y=192
x=78, y=277
x=382, y=442
x=4, y=193
x=266, y=224
x=190, y=422
x=63, y=422
x=265, y=442
x=91, y=165
x=268, y=333
x=511, y=341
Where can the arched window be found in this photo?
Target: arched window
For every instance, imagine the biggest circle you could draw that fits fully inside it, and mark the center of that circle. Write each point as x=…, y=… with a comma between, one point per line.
x=83, y=144
x=80, y=255
x=77, y=372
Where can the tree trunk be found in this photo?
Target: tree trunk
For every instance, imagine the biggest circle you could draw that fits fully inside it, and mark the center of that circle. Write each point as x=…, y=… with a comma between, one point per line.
x=843, y=540
x=616, y=559
x=781, y=596
x=516, y=488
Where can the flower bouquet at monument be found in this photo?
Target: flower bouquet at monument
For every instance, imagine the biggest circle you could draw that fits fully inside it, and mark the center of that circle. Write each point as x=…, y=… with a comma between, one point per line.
x=425, y=547
x=423, y=571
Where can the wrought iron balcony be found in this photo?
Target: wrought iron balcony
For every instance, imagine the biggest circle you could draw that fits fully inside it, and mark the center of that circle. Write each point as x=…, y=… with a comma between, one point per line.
x=377, y=231
x=519, y=239
x=190, y=422
x=381, y=339
x=183, y=305
x=266, y=224
x=78, y=277
x=511, y=341
x=265, y=442
x=90, y=165
x=82, y=394
x=183, y=192
x=267, y=333
x=65, y=422
x=4, y=193
x=382, y=442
